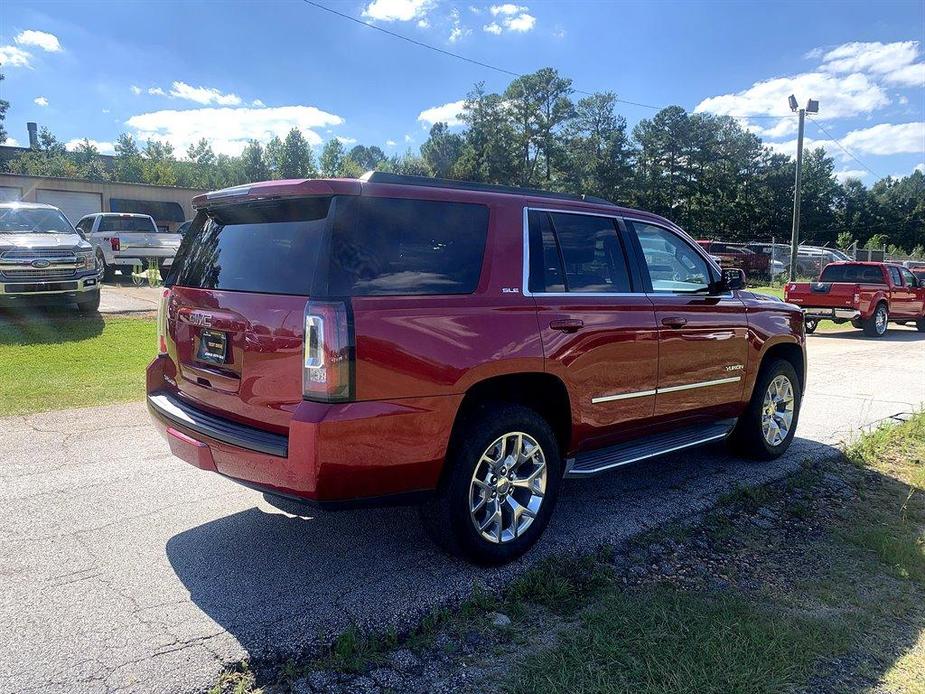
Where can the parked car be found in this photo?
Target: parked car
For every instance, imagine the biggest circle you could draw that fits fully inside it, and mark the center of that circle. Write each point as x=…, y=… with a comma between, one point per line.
x=755, y=265
x=43, y=260
x=869, y=295
x=122, y=241
x=183, y=228
x=461, y=346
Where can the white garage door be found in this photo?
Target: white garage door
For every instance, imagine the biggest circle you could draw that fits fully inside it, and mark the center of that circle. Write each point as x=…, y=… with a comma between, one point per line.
x=9, y=194
x=74, y=205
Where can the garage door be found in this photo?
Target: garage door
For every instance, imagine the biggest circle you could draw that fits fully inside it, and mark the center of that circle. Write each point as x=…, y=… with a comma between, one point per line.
x=74, y=205
x=9, y=194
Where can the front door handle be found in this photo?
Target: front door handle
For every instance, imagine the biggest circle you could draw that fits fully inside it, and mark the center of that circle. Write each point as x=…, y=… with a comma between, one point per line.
x=674, y=321
x=567, y=325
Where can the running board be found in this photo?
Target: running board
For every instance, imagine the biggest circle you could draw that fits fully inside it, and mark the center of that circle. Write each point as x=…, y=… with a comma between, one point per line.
x=593, y=462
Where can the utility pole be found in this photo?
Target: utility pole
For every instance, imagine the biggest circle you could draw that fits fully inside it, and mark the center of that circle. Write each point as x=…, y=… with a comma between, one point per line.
x=812, y=106
x=795, y=233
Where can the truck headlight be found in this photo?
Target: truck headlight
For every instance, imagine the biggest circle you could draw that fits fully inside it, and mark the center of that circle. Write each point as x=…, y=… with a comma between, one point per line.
x=86, y=261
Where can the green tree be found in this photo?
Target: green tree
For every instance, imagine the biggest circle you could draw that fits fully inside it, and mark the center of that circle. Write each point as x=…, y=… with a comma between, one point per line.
x=844, y=240
x=367, y=158
x=159, y=164
x=4, y=106
x=490, y=151
x=291, y=157
x=254, y=163
x=89, y=165
x=129, y=165
x=332, y=158
x=441, y=150
x=598, y=150
x=820, y=190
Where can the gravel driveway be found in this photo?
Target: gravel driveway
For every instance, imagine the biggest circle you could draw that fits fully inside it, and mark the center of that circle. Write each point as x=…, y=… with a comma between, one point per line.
x=123, y=568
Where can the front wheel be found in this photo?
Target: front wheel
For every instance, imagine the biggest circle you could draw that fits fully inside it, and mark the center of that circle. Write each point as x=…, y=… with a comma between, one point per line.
x=500, y=485
x=875, y=326
x=766, y=428
x=90, y=304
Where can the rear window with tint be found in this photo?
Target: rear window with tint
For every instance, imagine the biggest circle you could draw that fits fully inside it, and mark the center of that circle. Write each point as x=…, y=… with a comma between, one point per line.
x=397, y=246
x=265, y=247
x=866, y=274
x=128, y=224
x=340, y=246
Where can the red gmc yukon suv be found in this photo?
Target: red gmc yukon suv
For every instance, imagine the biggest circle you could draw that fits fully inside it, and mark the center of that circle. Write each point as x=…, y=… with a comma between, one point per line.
x=462, y=346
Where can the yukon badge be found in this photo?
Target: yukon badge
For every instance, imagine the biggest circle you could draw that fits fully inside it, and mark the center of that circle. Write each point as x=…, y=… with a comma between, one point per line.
x=735, y=367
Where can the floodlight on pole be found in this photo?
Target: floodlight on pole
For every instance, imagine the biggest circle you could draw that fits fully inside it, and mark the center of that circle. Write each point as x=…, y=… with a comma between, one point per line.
x=793, y=102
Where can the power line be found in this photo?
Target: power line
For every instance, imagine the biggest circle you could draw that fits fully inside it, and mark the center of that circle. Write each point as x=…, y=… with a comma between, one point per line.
x=451, y=54
x=845, y=149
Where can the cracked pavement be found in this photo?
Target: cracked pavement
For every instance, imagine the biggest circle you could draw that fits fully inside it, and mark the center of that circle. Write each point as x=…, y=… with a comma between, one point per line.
x=124, y=569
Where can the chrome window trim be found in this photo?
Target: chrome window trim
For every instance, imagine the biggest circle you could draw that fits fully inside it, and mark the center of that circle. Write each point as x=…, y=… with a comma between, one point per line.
x=668, y=389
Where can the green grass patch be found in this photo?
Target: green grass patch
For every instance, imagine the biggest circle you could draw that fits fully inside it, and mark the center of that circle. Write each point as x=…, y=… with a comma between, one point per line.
x=50, y=363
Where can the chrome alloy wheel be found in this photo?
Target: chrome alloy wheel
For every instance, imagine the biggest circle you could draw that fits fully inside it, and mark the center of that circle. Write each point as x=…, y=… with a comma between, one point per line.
x=880, y=319
x=507, y=487
x=777, y=410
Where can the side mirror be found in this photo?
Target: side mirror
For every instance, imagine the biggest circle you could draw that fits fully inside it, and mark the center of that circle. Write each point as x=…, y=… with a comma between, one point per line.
x=734, y=278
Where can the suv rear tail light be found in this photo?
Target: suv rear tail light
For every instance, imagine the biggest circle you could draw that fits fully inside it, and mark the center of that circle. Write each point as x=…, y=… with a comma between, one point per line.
x=114, y=242
x=327, y=352
x=162, y=322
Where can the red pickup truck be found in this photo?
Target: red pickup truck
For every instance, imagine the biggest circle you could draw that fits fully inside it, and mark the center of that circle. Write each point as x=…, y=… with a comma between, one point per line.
x=869, y=295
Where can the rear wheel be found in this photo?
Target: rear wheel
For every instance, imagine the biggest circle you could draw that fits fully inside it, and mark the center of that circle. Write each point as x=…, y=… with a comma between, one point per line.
x=108, y=272
x=875, y=326
x=766, y=428
x=857, y=323
x=500, y=487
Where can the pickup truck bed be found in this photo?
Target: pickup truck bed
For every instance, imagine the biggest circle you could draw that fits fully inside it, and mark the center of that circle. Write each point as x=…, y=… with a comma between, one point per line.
x=869, y=295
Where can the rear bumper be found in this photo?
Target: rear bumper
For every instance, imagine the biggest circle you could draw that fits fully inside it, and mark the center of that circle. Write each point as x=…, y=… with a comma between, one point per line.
x=832, y=313
x=359, y=453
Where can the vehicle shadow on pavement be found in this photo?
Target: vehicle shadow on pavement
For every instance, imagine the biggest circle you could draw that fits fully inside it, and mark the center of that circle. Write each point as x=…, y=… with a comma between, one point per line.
x=898, y=334
x=34, y=326
x=282, y=585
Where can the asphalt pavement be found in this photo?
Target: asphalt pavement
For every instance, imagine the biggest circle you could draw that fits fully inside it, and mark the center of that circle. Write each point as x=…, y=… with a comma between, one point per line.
x=122, y=568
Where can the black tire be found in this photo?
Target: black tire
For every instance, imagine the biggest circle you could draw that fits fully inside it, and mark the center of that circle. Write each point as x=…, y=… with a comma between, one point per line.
x=748, y=438
x=91, y=304
x=857, y=323
x=881, y=313
x=920, y=325
x=108, y=272
x=810, y=324
x=446, y=516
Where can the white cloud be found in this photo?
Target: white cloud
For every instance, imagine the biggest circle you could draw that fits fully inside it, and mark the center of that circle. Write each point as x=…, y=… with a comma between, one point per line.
x=136, y=90
x=458, y=31
x=908, y=76
x=11, y=56
x=397, y=10
x=39, y=39
x=838, y=96
x=510, y=17
x=508, y=9
x=203, y=95
x=874, y=56
x=390, y=143
x=229, y=129
x=103, y=147
x=920, y=167
x=447, y=113
x=346, y=140
x=156, y=91
x=11, y=142
x=409, y=138
x=843, y=176
x=40, y=101
x=887, y=138
x=764, y=129
x=423, y=23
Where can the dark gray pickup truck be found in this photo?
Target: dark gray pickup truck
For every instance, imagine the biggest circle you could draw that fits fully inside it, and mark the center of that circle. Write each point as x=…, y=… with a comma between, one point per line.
x=43, y=260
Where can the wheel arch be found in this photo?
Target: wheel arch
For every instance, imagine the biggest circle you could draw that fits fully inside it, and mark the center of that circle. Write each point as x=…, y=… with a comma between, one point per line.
x=788, y=351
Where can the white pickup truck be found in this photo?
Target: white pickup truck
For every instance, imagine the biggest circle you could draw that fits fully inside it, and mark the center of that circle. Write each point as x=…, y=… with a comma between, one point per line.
x=122, y=241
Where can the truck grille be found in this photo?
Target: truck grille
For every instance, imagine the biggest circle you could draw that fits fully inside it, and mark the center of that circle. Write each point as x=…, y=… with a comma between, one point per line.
x=16, y=264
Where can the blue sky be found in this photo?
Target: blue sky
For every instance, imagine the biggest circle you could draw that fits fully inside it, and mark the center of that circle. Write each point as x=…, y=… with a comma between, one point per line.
x=230, y=71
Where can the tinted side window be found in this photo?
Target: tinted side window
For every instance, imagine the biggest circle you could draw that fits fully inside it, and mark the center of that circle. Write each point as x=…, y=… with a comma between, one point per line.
x=909, y=277
x=398, y=246
x=895, y=276
x=674, y=266
x=591, y=253
x=545, y=261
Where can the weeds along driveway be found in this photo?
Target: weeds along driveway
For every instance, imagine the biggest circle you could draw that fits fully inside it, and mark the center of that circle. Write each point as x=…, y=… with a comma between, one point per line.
x=125, y=568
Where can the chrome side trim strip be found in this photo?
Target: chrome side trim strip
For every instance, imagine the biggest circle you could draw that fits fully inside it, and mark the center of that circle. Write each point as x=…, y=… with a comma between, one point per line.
x=669, y=389
x=577, y=473
x=624, y=396
x=702, y=384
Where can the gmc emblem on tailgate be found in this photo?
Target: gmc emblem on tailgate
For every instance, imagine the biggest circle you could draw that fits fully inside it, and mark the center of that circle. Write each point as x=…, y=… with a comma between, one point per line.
x=203, y=319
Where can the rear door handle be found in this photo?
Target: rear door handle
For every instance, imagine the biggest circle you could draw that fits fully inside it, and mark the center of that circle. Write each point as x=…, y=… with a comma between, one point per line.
x=674, y=321
x=567, y=325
